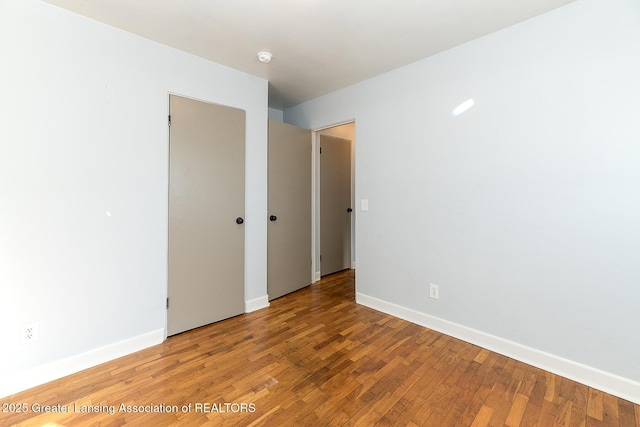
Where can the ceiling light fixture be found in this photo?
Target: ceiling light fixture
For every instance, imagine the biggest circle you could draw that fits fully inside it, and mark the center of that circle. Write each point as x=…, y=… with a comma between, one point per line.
x=265, y=57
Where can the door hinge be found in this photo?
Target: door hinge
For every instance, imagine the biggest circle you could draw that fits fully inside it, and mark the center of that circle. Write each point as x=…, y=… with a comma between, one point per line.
x=167, y=303
x=320, y=150
x=320, y=258
x=169, y=120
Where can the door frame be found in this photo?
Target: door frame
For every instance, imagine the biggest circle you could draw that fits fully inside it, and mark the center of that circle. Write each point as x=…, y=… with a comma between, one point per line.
x=315, y=200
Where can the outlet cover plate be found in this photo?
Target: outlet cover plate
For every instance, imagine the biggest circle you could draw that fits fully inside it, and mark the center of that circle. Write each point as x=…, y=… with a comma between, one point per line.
x=434, y=291
x=29, y=333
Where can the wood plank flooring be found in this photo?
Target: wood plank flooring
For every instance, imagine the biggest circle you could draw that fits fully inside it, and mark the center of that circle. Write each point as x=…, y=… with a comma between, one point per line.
x=316, y=358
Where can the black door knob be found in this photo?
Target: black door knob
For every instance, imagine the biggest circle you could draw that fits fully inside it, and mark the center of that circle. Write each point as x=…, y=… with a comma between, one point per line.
x=273, y=218
x=239, y=220
x=349, y=210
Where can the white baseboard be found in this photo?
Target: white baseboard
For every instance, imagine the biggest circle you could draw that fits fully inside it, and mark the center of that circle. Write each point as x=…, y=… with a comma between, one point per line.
x=317, y=276
x=610, y=383
x=353, y=265
x=24, y=380
x=256, y=304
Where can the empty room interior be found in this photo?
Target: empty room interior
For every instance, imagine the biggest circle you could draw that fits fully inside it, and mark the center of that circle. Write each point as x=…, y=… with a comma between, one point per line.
x=489, y=271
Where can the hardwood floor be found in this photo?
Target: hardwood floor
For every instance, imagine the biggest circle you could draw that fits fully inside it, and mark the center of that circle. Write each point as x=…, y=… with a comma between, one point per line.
x=315, y=358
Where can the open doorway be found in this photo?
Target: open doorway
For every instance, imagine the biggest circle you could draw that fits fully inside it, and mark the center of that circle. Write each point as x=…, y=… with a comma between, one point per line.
x=334, y=199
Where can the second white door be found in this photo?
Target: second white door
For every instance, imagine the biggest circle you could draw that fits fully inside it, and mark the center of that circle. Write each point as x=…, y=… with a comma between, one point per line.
x=206, y=210
x=335, y=204
x=289, y=217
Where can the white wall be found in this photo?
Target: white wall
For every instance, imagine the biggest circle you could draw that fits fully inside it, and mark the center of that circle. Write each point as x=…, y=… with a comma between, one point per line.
x=275, y=114
x=525, y=209
x=83, y=185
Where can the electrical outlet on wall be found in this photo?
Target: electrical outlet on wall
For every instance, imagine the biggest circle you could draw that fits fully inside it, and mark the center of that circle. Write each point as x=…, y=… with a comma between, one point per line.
x=434, y=291
x=29, y=333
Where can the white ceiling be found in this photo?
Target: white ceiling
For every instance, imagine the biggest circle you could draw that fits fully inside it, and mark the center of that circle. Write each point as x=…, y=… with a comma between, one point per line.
x=318, y=46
